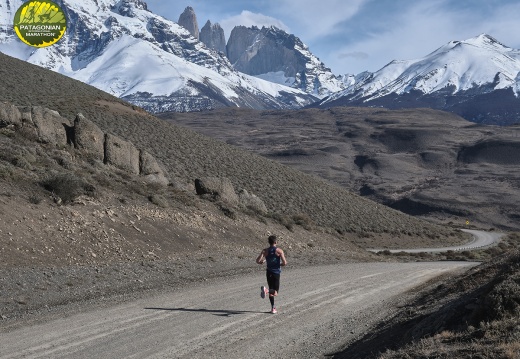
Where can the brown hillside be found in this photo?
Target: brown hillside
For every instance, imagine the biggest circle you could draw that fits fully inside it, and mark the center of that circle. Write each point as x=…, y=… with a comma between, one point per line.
x=187, y=155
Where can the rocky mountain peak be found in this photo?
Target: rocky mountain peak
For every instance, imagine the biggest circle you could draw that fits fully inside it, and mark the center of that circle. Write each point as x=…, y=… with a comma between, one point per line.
x=212, y=35
x=274, y=55
x=188, y=20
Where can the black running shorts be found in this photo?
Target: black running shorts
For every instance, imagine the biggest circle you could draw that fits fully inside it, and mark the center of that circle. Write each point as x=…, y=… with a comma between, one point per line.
x=273, y=280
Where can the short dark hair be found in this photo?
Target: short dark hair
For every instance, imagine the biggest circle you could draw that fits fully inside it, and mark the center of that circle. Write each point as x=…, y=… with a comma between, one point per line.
x=272, y=239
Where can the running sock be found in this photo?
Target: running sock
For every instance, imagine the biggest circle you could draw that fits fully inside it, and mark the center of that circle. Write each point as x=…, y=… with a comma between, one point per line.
x=271, y=299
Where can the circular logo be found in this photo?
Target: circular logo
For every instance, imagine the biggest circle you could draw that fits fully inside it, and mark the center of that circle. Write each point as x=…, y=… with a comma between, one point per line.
x=40, y=23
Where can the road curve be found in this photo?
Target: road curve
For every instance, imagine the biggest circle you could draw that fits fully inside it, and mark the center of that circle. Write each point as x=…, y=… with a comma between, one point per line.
x=481, y=239
x=320, y=308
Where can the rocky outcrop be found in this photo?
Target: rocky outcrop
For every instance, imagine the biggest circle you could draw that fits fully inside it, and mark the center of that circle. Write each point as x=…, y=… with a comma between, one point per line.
x=89, y=137
x=217, y=189
x=121, y=154
x=9, y=115
x=212, y=35
x=150, y=169
x=188, y=20
x=221, y=189
x=49, y=127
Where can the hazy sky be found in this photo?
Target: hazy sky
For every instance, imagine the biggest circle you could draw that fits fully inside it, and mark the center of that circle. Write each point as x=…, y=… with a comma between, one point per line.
x=351, y=36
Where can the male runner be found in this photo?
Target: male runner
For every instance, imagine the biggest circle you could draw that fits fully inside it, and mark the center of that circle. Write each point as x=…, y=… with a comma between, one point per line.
x=275, y=258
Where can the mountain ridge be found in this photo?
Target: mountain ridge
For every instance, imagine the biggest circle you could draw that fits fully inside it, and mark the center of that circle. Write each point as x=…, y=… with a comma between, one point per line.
x=455, y=77
x=197, y=77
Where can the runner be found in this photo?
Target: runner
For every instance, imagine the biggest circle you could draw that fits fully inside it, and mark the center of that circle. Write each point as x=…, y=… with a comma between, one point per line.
x=275, y=258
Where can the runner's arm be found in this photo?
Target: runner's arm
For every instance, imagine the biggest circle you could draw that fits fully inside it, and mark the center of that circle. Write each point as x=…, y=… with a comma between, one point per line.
x=282, y=257
x=261, y=257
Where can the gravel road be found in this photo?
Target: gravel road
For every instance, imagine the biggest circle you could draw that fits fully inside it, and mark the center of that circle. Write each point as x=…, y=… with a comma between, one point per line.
x=481, y=239
x=320, y=309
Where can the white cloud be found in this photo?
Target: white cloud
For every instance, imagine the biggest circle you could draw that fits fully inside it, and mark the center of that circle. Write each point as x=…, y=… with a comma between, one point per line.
x=421, y=29
x=355, y=55
x=503, y=25
x=248, y=18
x=317, y=18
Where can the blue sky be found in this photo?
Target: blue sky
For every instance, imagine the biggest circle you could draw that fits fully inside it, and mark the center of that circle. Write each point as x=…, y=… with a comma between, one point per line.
x=351, y=36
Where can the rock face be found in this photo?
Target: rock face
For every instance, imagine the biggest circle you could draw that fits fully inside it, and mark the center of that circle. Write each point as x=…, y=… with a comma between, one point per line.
x=274, y=55
x=52, y=129
x=89, y=137
x=150, y=169
x=212, y=35
x=188, y=20
x=221, y=189
x=126, y=7
x=217, y=189
x=257, y=51
x=9, y=115
x=50, y=126
x=121, y=154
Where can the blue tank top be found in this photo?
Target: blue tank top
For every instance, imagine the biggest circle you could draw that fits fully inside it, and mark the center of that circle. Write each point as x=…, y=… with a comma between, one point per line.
x=273, y=261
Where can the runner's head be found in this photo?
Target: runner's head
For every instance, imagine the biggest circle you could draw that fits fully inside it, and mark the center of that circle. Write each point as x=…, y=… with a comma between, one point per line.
x=272, y=240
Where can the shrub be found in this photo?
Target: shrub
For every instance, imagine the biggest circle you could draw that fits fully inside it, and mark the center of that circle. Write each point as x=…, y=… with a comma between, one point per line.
x=67, y=187
x=303, y=220
x=228, y=212
x=34, y=199
x=158, y=200
x=284, y=220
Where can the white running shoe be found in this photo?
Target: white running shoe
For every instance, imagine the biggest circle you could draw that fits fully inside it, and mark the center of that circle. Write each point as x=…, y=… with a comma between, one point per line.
x=274, y=311
x=263, y=291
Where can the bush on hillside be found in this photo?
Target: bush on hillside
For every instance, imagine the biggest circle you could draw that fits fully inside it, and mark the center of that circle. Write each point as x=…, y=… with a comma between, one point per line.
x=67, y=187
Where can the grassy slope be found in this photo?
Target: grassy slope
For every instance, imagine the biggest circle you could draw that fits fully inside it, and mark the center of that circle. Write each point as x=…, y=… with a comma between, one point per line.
x=187, y=155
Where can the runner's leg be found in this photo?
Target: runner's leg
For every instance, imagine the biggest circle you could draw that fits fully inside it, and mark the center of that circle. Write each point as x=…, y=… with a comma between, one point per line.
x=274, y=285
x=271, y=282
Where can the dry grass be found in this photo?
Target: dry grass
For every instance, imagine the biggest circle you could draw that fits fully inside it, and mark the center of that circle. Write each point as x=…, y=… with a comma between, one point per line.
x=471, y=316
x=187, y=155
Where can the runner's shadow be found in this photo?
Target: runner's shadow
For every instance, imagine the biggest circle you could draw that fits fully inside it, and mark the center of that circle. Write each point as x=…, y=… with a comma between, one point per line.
x=218, y=312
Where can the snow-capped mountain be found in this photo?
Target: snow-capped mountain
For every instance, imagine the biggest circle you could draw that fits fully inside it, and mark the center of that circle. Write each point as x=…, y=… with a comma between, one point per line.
x=272, y=54
x=122, y=48
x=477, y=78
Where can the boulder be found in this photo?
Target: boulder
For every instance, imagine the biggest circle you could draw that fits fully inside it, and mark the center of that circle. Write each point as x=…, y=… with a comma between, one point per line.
x=121, y=154
x=89, y=137
x=251, y=201
x=50, y=126
x=150, y=169
x=9, y=115
x=218, y=189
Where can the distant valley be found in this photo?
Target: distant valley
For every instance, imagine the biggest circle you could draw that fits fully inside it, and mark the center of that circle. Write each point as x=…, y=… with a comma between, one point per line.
x=423, y=162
